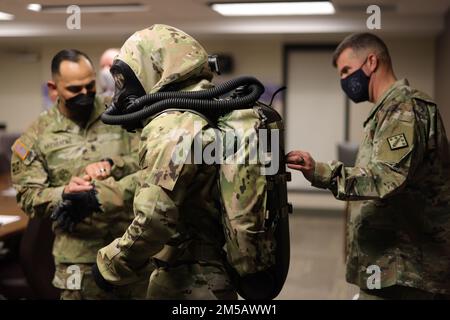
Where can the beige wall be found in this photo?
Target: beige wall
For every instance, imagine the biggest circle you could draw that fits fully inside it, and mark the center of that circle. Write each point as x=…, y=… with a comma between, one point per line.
x=262, y=59
x=22, y=78
x=443, y=74
x=20, y=92
x=21, y=81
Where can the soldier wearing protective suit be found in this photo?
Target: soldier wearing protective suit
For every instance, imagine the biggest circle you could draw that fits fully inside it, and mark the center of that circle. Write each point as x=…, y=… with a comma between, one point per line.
x=57, y=158
x=177, y=220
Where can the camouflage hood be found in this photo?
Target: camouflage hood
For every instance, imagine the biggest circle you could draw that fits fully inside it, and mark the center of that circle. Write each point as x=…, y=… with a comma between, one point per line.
x=162, y=55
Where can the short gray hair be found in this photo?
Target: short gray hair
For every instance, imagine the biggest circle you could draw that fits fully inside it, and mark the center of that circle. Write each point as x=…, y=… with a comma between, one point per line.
x=364, y=41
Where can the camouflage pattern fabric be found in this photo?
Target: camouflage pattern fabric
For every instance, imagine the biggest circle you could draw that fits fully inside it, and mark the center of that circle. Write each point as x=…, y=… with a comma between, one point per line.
x=77, y=283
x=173, y=204
x=244, y=195
x=162, y=55
x=193, y=281
x=401, y=222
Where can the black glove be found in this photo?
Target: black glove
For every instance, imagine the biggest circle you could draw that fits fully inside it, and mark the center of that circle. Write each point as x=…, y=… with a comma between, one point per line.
x=74, y=208
x=99, y=280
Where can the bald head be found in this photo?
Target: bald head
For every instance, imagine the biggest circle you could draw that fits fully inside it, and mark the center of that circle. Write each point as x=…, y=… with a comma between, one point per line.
x=72, y=55
x=107, y=58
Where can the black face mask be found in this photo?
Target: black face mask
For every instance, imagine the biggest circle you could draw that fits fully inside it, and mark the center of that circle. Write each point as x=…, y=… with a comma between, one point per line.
x=356, y=85
x=80, y=106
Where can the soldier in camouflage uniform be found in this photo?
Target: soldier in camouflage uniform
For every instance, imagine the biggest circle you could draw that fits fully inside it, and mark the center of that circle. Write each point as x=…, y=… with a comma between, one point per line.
x=61, y=151
x=177, y=220
x=399, y=188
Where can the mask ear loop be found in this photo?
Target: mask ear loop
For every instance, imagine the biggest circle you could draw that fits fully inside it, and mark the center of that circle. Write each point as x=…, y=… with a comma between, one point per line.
x=369, y=76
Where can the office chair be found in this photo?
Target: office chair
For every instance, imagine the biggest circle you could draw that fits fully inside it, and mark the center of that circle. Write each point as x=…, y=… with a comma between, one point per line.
x=36, y=258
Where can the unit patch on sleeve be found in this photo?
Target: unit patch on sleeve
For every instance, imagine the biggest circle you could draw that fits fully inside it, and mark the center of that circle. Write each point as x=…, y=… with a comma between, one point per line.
x=398, y=141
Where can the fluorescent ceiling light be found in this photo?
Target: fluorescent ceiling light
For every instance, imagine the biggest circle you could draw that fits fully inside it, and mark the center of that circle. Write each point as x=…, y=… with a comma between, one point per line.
x=34, y=7
x=273, y=8
x=90, y=8
x=6, y=16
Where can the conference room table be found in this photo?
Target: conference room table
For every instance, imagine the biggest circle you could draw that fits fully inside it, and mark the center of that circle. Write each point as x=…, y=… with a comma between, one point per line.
x=9, y=209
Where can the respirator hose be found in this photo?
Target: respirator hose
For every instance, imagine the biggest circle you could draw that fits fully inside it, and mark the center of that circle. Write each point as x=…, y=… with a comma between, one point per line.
x=201, y=101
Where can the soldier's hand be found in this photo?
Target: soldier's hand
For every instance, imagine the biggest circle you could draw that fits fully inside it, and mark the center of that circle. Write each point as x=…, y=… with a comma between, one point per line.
x=62, y=216
x=302, y=161
x=98, y=170
x=74, y=208
x=77, y=184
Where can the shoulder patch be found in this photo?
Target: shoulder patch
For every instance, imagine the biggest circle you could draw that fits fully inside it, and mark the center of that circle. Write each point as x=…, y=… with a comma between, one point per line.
x=20, y=150
x=398, y=141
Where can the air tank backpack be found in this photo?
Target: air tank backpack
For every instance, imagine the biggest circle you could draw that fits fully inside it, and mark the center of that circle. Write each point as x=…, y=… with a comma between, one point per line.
x=253, y=189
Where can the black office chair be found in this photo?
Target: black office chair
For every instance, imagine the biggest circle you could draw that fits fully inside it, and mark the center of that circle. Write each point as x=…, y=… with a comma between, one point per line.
x=13, y=284
x=27, y=271
x=6, y=141
x=347, y=153
x=36, y=258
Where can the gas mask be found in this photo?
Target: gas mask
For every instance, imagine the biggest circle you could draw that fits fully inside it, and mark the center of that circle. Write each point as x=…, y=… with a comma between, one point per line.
x=127, y=87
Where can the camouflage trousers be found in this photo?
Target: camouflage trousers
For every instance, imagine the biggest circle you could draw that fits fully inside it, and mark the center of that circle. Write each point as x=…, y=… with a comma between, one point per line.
x=77, y=283
x=191, y=282
x=399, y=293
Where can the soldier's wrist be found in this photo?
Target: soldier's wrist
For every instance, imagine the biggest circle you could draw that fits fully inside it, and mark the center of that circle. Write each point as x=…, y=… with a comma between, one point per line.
x=322, y=175
x=117, y=168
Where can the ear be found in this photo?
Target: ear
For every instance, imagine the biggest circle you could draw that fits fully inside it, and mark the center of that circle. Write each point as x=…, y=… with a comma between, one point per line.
x=52, y=92
x=373, y=62
x=51, y=85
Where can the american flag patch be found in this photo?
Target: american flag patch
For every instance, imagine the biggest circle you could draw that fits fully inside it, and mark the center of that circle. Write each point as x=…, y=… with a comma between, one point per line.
x=20, y=149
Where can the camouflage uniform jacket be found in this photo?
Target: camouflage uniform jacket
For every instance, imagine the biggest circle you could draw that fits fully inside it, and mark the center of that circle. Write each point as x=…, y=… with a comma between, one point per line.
x=53, y=150
x=400, y=217
x=175, y=204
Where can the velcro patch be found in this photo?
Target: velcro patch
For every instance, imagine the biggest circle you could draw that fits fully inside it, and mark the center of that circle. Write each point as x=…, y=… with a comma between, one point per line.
x=398, y=141
x=20, y=150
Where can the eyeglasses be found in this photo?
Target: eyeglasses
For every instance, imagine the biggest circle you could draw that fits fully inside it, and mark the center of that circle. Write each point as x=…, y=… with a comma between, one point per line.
x=75, y=89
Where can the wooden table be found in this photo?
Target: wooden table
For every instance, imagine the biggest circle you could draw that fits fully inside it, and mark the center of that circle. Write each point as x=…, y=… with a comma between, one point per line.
x=8, y=206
